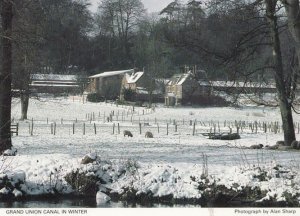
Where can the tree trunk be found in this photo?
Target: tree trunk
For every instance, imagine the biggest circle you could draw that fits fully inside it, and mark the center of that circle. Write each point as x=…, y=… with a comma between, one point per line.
x=5, y=75
x=24, y=104
x=284, y=104
x=292, y=10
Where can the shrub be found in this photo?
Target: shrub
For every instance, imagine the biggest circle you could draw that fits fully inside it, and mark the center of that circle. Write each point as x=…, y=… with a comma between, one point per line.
x=82, y=183
x=129, y=94
x=95, y=97
x=205, y=100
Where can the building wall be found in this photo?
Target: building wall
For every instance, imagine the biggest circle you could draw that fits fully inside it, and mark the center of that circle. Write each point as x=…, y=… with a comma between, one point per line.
x=190, y=87
x=91, y=87
x=184, y=91
x=108, y=87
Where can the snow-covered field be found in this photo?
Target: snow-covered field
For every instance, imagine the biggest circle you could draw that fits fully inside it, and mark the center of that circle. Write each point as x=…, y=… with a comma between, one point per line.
x=175, y=157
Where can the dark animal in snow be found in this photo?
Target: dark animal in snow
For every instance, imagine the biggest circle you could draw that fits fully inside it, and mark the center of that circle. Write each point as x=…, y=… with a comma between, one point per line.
x=127, y=133
x=259, y=146
x=148, y=134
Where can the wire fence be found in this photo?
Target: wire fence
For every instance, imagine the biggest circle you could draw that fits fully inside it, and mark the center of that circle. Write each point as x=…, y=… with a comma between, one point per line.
x=140, y=126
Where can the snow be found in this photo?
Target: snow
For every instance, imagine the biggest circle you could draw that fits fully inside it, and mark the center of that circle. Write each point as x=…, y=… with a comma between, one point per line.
x=54, y=77
x=10, y=152
x=53, y=82
x=112, y=73
x=179, y=79
x=54, y=85
x=241, y=84
x=93, y=156
x=16, y=176
x=17, y=193
x=164, y=165
x=133, y=78
x=4, y=191
x=102, y=198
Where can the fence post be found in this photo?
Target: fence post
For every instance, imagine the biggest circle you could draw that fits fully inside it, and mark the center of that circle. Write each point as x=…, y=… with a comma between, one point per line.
x=194, y=128
x=140, y=126
x=167, y=128
x=31, y=132
x=73, y=128
x=255, y=126
x=95, y=129
x=17, y=129
x=83, y=128
x=157, y=128
x=113, y=128
x=118, y=128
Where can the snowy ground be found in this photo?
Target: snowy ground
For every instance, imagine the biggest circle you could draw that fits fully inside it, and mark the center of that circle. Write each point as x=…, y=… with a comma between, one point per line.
x=169, y=155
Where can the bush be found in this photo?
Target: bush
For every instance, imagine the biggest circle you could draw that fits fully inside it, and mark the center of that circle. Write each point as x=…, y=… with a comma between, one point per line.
x=82, y=183
x=129, y=94
x=95, y=97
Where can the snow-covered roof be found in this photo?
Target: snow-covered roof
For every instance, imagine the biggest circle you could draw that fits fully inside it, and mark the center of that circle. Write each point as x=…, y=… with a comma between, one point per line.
x=240, y=84
x=179, y=79
x=161, y=80
x=133, y=78
x=53, y=85
x=183, y=78
x=53, y=82
x=58, y=77
x=112, y=73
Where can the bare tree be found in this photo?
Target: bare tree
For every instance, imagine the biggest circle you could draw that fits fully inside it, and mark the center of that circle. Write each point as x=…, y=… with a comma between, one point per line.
x=118, y=20
x=284, y=103
x=5, y=74
x=28, y=35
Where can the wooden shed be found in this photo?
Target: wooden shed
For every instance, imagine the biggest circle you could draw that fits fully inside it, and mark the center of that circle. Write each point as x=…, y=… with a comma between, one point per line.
x=55, y=83
x=108, y=84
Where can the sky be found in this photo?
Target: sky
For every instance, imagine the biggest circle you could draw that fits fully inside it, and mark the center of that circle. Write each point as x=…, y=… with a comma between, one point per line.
x=150, y=5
